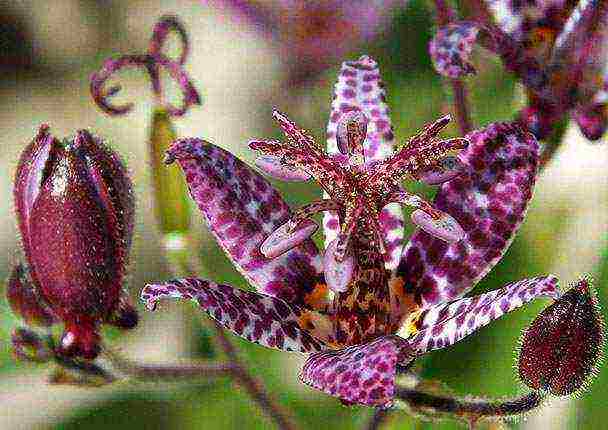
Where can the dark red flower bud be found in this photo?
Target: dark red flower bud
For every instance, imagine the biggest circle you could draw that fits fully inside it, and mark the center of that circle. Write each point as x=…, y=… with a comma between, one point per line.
x=75, y=211
x=560, y=351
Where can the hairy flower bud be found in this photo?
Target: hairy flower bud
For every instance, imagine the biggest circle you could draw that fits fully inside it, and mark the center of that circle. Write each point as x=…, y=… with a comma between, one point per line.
x=75, y=211
x=562, y=347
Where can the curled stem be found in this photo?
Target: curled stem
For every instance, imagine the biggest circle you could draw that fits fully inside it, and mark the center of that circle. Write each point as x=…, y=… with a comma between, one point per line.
x=152, y=61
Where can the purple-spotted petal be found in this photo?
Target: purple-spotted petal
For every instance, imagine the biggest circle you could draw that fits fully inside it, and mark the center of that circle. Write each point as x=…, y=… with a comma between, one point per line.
x=261, y=319
x=392, y=224
x=276, y=169
x=451, y=49
x=287, y=237
x=360, y=89
x=447, y=323
x=242, y=209
x=439, y=225
x=362, y=374
x=338, y=274
x=489, y=200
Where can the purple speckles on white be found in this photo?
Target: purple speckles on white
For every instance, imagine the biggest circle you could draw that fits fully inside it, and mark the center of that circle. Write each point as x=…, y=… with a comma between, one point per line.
x=241, y=209
x=261, y=319
x=447, y=323
x=489, y=201
x=451, y=48
x=362, y=374
x=276, y=169
x=287, y=237
x=338, y=274
x=360, y=89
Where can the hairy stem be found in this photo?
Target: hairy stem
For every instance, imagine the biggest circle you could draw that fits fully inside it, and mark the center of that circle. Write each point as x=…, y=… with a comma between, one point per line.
x=445, y=14
x=471, y=410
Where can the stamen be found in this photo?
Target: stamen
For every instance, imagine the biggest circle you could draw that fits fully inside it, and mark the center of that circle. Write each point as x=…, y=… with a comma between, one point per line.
x=338, y=274
x=351, y=133
x=311, y=209
x=435, y=222
x=438, y=224
x=276, y=168
x=287, y=237
x=446, y=170
x=428, y=132
x=413, y=161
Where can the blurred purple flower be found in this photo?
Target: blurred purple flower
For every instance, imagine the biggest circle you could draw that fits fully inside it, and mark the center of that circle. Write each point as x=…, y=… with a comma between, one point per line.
x=558, y=48
x=313, y=35
x=368, y=305
x=153, y=61
x=75, y=211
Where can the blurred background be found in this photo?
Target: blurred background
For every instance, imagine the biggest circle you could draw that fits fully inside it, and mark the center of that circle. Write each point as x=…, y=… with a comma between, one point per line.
x=49, y=49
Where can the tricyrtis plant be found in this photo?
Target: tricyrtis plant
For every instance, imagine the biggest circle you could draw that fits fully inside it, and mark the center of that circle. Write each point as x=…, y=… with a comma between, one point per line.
x=366, y=305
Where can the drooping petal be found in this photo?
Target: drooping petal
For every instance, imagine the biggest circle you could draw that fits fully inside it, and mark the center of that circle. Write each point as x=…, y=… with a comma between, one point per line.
x=242, y=209
x=261, y=319
x=489, y=201
x=362, y=374
x=447, y=323
x=360, y=88
x=276, y=169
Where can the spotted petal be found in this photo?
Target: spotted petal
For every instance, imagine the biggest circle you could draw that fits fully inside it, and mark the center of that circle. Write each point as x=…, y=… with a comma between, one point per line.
x=489, y=201
x=363, y=374
x=360, y=88
x=451, y=48
x=261, y=319
x=242, y=209
x=445, y=324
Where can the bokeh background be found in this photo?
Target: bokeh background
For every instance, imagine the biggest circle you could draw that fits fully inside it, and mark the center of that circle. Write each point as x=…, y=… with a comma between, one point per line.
x=47, y=52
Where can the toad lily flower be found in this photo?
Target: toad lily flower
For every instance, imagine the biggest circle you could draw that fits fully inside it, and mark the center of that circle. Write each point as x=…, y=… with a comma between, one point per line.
x=368, y=305
x=557, y=48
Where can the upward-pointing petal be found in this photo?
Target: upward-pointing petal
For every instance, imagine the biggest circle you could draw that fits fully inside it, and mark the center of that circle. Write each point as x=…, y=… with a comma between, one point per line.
x=488, y=200
x=360, y=88
x=242, y=209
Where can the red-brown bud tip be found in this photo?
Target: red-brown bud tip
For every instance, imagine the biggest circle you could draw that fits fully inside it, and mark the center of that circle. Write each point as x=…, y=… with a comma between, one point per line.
x=80, y=339
x=561, y=349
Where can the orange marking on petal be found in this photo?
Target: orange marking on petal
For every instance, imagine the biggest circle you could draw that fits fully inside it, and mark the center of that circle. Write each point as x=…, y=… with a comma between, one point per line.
x=317, y=298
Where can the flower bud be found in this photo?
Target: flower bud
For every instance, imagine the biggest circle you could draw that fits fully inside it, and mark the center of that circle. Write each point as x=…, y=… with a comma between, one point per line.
x=561, y=349
x=75, y=211
x=24, y=299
